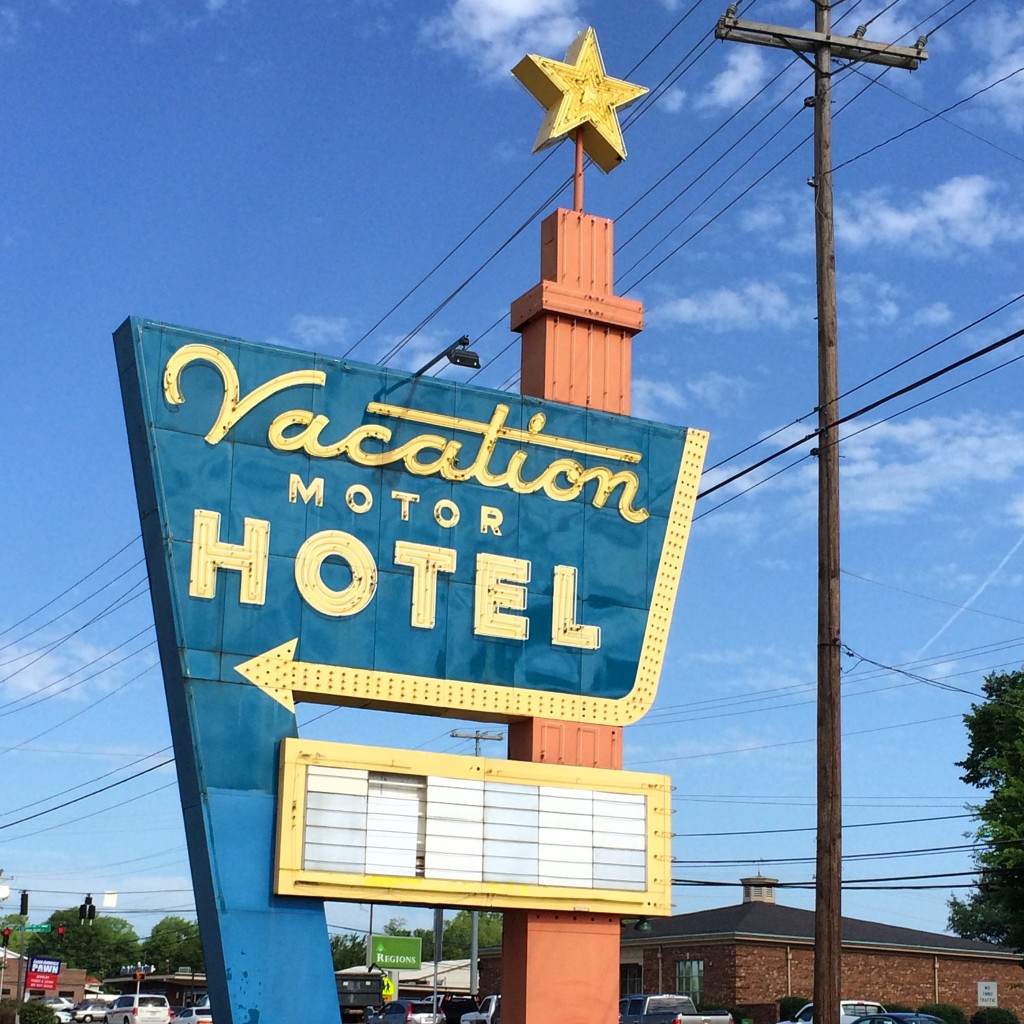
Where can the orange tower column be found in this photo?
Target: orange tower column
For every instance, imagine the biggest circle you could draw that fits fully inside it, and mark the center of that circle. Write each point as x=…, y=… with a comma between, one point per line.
x=577, y=342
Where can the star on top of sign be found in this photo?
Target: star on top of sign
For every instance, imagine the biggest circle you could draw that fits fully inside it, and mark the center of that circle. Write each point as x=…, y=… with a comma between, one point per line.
x=577, y=94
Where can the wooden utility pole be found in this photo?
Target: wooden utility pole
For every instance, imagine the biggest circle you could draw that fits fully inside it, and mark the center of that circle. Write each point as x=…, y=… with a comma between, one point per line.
x=474, y=920
x=829, y=871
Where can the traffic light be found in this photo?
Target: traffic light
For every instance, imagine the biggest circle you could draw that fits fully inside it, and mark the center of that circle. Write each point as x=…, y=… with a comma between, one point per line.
x=60, y=933
x=87, y=910
x=7, y=937
x=24, y=904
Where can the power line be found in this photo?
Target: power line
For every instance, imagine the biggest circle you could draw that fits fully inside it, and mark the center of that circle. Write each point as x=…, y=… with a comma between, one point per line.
x=67, y=590
x=848, y=857
x=929, y=597
x=86, y=796
x=927, y=120
x=870, y=407
x=813, y=828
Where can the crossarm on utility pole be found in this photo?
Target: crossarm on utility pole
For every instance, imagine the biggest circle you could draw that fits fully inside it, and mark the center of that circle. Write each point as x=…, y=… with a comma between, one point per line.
x=805, y=41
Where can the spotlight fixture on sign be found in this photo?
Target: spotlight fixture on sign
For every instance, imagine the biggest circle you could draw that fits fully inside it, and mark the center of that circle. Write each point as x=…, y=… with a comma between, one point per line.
x=458, y=353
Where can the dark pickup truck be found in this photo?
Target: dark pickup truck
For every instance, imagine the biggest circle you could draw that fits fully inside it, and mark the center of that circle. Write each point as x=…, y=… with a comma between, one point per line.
x=667, y=1009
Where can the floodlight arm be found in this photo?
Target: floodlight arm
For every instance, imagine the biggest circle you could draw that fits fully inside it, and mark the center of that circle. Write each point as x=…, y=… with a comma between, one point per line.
x=453, y=355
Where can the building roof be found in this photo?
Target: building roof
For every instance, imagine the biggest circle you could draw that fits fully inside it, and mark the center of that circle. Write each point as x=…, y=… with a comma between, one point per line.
x=776, y=922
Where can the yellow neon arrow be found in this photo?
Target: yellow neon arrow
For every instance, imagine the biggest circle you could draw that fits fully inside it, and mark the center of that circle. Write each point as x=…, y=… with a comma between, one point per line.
x=281, y=676
x=273, y=672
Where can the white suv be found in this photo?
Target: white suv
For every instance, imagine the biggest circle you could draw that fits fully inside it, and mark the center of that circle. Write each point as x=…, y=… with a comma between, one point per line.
x=139, y=1009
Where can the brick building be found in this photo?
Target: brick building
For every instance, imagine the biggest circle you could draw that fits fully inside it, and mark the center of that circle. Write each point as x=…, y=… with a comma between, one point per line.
x=750, y=955
x=70, y=982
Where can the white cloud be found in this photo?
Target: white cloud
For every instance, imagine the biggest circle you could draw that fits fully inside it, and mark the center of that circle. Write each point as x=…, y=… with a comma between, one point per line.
x=894, y=24
x=717, y=390
x=968, y=212
x=1015, y=510
x=655, y=399
x=867, y=299
x=745, y=72
x=904, y=466
x=935, y=315
x=672, y=101
x=788, y=220
x=998, y=36
x=319, y=331
x=748, y=307
x=892, y=470
x=495, y=34
x=9, y=26
x=651, y=398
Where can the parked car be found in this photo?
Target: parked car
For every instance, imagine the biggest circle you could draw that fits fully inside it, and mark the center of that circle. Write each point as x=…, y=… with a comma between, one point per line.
x=489, y=1012
x=898, y=1018
x=195, y=1015
x=87, y=1012
x=669, y=1008
x=849, y=1011
x=407, y=1011
x=144, y=1008
x=453, y=1006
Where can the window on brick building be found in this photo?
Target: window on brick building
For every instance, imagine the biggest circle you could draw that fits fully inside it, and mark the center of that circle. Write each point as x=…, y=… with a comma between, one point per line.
x=690, y=980
x=631, y=979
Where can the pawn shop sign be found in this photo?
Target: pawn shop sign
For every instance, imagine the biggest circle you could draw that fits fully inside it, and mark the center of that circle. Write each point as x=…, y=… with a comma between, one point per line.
x=346, y=534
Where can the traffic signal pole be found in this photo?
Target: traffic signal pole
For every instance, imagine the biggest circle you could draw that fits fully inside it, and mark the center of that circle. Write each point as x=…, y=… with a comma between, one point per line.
x=828, y=878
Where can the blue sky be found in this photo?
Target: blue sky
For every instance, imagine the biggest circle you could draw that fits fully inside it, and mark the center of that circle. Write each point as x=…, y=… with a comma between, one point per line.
x=298, y=173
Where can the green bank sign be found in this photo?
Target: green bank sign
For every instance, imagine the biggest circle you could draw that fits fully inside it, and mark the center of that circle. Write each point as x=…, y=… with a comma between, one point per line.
x=396, y=952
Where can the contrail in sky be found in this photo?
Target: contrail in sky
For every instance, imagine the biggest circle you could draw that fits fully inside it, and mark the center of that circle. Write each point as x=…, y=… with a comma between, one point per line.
x=974, y=597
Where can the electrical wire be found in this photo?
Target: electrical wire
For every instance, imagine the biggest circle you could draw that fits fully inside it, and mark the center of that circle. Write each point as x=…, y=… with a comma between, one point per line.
x=69, y=589
x=814, y=828
x=929, y=597
x=870, y=407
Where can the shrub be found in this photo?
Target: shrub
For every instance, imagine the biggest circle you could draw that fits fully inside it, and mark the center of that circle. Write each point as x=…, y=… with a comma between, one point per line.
x=788, y=1005
x=995, y=1015
x=740, y=1013
x=31, y=1013
x=898, y=1007
x=945, y=1011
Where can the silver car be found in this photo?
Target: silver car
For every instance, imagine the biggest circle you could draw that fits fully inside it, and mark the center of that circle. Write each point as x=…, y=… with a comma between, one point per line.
x=408, y=1011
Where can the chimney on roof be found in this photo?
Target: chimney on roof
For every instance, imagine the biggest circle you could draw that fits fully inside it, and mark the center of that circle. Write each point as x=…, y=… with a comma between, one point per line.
x=759, y=889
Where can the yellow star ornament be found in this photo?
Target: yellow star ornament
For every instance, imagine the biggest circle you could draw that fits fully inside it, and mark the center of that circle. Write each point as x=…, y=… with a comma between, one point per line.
x=576, y=93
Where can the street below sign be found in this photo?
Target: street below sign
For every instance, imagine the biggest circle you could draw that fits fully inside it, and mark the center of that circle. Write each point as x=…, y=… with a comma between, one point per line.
x=38, y=927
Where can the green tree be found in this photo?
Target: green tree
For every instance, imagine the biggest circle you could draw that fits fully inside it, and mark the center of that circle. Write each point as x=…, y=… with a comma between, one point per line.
x=348, y=951
x=174, y=942
x=994, y=911
x=458, y=933
x=456, y=937
x=101, y=947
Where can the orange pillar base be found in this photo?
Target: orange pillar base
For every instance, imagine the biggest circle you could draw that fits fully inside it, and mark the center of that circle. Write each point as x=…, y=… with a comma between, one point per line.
x=560, y=966
x=556, y=742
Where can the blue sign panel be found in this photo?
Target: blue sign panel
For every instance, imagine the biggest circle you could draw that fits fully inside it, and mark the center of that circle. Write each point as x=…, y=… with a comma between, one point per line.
x=323, y=530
